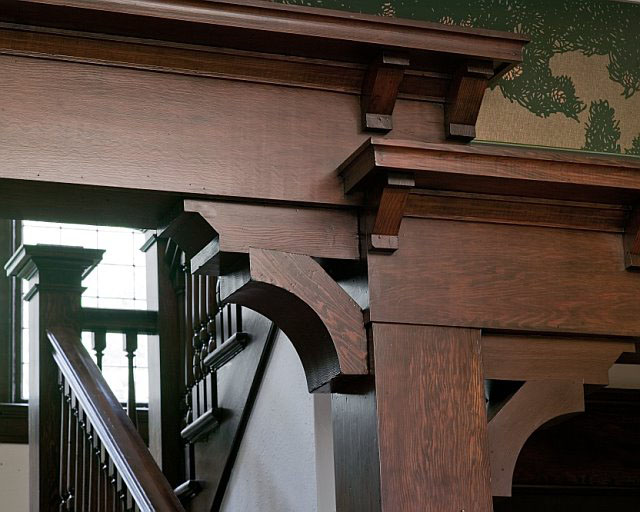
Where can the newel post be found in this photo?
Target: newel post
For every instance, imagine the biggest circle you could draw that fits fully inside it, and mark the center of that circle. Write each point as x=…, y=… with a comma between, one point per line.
x=54, y=275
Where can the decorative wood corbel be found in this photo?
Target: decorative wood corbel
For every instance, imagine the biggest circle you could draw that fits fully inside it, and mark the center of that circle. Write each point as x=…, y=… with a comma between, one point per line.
x=323, y=322
x=631, y=240
x=386, y=193
x=380, y=90
x=533, y=405
x=465, y=98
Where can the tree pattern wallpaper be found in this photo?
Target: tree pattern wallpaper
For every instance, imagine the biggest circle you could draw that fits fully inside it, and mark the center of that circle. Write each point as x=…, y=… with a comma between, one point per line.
x=579, y=84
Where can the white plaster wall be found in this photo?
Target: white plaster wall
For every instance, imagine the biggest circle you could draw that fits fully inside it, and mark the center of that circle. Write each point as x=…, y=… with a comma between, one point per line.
x=277, y=469
x=14, y=477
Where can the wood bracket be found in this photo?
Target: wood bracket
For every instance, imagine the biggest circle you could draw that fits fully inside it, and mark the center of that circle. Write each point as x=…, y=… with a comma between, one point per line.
x=386, y=194
x=389, y=203
x=380, y=90
x=631, y=240
x=464, y=99
x=324, y=324
x=533, y=405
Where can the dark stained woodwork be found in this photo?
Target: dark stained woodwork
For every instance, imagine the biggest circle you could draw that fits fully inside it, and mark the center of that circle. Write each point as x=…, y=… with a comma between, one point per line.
x=54, y=275
x=7, y=300
x=523, y=211
x=126, y=449
x=500, y=169
x=238, y=386
x=274, y=28
x=596, y=451
x=231, y=347
x=119, y=320
x=632, y=240
x=533, y=405
x=126, y=150
x=203, y=61
x=506, y=277
x=324, y=324
x=380, y=89
x=519, y=357
x=355, y=438
x=201, y=427
x=464, y=99
x=13, y=423
x=433, y=439
x=165, y=368
x=321, y=233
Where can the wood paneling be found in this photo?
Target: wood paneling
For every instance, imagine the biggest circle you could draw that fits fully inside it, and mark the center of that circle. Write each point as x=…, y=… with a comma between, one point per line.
x=431, y=419
x=533, y=405
x=586, y=360
x=95, y=125
x=506, y=277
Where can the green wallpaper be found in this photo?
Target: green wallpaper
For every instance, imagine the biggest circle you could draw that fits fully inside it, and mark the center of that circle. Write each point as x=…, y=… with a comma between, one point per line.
x=579, y=83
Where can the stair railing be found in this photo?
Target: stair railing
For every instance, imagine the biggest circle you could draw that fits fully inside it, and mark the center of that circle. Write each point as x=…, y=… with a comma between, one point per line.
x=104, y=463
x=85, y=454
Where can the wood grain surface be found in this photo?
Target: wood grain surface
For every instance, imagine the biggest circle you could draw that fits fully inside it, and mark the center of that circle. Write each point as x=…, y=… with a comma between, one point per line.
x=65, y=122
x=323, y=322
x=431, y=419
x=534, y=404
x=506, y=277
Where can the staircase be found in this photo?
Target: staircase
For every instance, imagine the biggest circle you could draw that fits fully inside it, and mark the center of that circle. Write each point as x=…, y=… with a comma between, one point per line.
x=86, y=453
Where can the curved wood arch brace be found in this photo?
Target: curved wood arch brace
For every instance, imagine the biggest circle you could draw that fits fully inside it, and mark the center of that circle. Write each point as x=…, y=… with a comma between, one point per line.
x=533, y=405
x=322, y=321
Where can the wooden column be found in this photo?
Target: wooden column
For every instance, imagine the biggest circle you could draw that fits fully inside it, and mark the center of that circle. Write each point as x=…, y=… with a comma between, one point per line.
x=166, y=380
x=432, y=426
x=55, y=275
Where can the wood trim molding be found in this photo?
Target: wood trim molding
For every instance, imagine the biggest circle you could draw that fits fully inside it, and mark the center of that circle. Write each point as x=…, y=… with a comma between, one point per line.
x=324, y=324
x=304, y=27
x=533, y=405
x=495, y=169
x=523, y=211
x=631, y=240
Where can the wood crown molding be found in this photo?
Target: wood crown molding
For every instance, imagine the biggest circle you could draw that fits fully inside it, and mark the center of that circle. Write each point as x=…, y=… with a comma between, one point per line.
x=442, y=62
x=499, y=169
x=263, y=21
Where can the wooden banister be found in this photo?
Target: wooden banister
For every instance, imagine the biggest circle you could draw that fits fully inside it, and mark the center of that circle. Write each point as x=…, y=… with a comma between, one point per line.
x=131, y=459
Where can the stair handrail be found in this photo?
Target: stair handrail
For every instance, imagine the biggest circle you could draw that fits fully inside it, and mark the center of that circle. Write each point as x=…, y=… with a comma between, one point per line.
x=145, y=481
